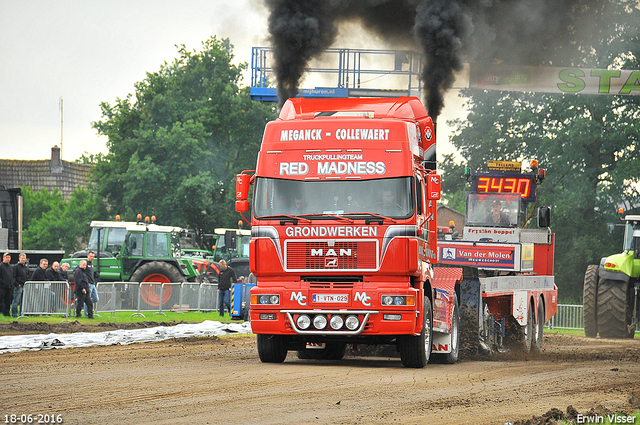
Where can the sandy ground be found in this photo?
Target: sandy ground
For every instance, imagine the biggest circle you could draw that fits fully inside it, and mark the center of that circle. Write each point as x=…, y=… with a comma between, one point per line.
x=222, y=381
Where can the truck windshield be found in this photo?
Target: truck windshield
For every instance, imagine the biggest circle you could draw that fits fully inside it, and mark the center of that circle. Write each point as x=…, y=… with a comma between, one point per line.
x=391, y=197
x=492, y=210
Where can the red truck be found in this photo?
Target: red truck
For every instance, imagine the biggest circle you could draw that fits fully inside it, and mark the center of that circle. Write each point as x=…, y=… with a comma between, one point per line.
x=344, y=235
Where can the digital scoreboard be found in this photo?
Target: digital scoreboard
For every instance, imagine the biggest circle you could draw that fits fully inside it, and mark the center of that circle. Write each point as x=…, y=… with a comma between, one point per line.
x=512, y=183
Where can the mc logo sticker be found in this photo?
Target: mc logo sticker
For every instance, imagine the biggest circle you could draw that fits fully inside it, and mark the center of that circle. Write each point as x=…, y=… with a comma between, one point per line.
x=297, y=296
x=363, y=298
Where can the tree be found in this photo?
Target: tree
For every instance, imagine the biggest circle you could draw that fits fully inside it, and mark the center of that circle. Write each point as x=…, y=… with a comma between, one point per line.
x=588, y=144
x=174, y=150
x=51, y=222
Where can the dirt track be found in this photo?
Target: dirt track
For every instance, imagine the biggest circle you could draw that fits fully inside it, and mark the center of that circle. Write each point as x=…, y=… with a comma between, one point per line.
x=221, y=380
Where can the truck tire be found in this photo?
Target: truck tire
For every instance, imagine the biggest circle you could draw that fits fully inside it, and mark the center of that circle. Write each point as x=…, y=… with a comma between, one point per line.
x=614, y=308
x=452, y=357
x=589, y=301
x=416, y=350
x=271, y=348
x=526, y=340
x=160, y=272
x=536, y=344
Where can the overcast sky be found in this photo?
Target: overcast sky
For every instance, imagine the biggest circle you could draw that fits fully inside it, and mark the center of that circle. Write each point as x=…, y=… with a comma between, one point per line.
x=89, y=51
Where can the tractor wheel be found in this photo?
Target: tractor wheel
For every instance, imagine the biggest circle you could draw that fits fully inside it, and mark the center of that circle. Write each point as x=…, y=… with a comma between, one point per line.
x=452, y=357
x=589, y=301
x=156, y=272
x=416, y=350
x=615, y=305
x=271, y=348
x=536, y=344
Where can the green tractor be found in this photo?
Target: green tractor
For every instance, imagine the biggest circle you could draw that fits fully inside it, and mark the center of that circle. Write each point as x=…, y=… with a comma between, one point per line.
x=610, y=294
x=138, y=252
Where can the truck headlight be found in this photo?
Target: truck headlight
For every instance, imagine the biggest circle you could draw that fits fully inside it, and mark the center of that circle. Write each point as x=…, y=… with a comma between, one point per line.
x=269, y=299
x=336, y=322
x=320, y=321
x=303, y=321
x=352, y=322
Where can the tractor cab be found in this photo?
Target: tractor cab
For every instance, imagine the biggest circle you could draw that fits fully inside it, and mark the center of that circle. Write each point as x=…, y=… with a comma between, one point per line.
x=628, y=262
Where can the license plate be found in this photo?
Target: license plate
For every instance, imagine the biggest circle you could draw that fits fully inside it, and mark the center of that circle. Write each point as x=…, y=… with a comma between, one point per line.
x=330, y=298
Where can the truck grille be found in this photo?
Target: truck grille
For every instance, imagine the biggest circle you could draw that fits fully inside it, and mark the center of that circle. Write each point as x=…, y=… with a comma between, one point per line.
x=342, y=255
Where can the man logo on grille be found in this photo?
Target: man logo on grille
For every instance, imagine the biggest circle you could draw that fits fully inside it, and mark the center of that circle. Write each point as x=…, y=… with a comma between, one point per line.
x=331, y=262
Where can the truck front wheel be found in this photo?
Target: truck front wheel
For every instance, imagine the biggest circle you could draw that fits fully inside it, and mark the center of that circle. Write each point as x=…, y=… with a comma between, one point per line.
x=528, y=330
x=536, y=344
x=589, y=301
x=416, y=350
x=271, y=348
x=615, y=305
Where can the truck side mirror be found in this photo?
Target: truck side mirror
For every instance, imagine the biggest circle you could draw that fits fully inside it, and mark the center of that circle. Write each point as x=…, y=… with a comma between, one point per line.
x=243, y=181
x=433, y=186
x=544, y=217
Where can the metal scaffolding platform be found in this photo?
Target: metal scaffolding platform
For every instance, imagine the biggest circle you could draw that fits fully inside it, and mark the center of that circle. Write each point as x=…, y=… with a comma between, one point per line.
x=344, y=73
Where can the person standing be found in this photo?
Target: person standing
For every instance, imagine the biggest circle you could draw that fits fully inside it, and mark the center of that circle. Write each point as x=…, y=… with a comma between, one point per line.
x=93, y=277
x=38, y=274
x=51, y=274
x=6, y=283
x=82, y=290
x=226, y=278
x=20, y=273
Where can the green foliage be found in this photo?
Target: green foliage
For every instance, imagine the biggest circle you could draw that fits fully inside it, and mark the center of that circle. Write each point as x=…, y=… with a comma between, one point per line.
x=51, y=222
x=589, y=146
x=174, y=150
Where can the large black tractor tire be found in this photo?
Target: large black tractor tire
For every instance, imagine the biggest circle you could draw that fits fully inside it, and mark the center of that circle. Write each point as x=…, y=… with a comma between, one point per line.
x=332, y=351
x=451, y=357
x=159, y=272
x=590, y=301
x=538, y=333
x=271, y=348
x=416, y=350
x=615, y=305
x=164, y=272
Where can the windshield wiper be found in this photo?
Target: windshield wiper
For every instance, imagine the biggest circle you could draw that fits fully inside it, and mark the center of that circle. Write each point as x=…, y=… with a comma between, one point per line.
x=328, y=216
x=375, y=217
x=285, y=218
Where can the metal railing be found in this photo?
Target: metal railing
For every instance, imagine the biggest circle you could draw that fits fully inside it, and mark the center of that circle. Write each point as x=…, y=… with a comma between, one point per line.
x=569, y=317
x=48, y=298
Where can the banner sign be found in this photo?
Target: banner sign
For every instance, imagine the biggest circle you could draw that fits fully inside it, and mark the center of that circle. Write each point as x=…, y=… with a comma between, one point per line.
x=488, y=256
x=557, y=80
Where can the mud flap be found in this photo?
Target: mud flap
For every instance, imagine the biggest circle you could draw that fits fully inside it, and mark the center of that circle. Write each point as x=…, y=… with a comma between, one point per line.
x=470, y=315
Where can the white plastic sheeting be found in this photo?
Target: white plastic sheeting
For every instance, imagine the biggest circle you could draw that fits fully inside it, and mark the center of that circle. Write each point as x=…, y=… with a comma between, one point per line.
x=15, y=343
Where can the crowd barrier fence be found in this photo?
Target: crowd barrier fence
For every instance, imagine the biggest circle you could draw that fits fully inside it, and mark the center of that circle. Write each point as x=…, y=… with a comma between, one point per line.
x=53, y=298
x=57, y=298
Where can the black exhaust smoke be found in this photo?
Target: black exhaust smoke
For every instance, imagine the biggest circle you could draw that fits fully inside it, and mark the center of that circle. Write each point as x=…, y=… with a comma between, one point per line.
x=447, y=31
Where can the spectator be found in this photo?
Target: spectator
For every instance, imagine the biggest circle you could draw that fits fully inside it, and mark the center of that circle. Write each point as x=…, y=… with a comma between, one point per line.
x=64, y=271
x=93, y=277
x=226, y=278
x=51, y=274
x=6, y=283
x=38, y=274
x=20, y=273
x=82, y=290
